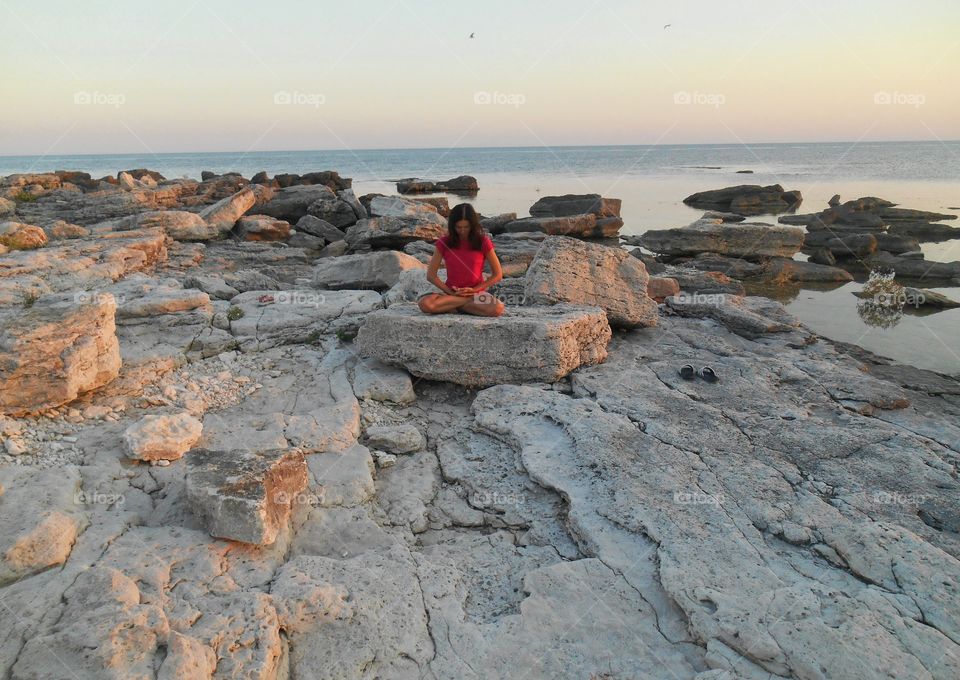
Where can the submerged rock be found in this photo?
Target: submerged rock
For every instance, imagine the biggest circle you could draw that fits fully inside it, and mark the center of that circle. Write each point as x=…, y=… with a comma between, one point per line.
x=745, y=240
x=746, y=199
x=462, y=184
x=576, y=204
x=525, y=344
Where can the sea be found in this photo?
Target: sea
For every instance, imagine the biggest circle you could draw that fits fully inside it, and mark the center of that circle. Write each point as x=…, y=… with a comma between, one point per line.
x=652, y=182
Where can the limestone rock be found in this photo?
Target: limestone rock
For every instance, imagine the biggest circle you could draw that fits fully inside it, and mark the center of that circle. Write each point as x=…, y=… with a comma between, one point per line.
x=576, y=204
x=290, y=203
x=404, y=438
x=19, y=236
x=319, y=228
x=380, y=382
x=746, y=316
x=395, y=206
x=378, y=271
x=56, y=349
x=746, y=240
x=223, y=215
x=162, y=437
x=571, y=270
x=396, y=231
x=42, y=518
x=746, y=199
x=462, y=184
x=245, y=495
x=262, y=228
x=525, y=344
x=661, y=287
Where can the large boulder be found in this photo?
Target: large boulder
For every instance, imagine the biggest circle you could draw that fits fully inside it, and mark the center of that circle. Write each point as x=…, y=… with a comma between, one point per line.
x=314, y=226
x=262, y=228
x=583, y=226
x=570, y=270
x=524, y=344
x=387, y=206
x=19, y=236
x=245, y=495
x=290, y=203
x=746, y=240
x=223, y=214
x=378, y=271
x=341, y=210
x=396, y=231
x=55, y=349
x=746, y=199
x=178, y=224
x=749, y=317
x=576, y=204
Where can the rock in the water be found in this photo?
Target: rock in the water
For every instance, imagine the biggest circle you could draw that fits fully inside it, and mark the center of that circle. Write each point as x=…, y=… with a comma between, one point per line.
x=576, y=204
x=19, y=236
x=395, y=232
x=245, y=495
x=162, y=437
x=570, y=270
x=461, y=184
x=925, y=231
x=746, y=240
x=916, y=269
x=583, y=226
x=395, y=206
x=377, y=271
x=746, y=199
x=524, y=344
x=262, y=228
x=57, y=348
x=746, y=316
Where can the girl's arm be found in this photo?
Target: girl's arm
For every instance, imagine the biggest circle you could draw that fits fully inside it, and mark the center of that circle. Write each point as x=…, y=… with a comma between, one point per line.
x=432, y=268
x=496, y=271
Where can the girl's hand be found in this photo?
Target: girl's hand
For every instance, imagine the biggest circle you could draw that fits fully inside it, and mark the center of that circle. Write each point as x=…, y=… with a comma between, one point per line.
x=465, y=292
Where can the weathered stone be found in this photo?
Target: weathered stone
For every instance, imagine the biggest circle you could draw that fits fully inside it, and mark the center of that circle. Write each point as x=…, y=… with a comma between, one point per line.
x=223, y=215
x=915, y=269
x=291, y=202
x=262, y=228
x=245, y=495
x=265, y=318
x=319, y=228
x=526, y=343
x=583, y=226
x=395, y=206
x=576, y=204
x=571, y=270
x=746, y=316
x=746, y=199
x=19, y=236
x=378, y=271
x=661, y=287
x=744, y=240
x=56, y=349
x=461, y=184
x=395, y=232
x=405, y=438
x=213, y=286
x=162, y=437
x=41, y=519
x=380, y=382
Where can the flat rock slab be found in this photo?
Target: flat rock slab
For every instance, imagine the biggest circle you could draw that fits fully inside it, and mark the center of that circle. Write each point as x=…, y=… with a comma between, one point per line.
x=570, y=270
x=714, y=236
x=378, y=271
x=746, y=316
x=525, y=344
x=245, y=495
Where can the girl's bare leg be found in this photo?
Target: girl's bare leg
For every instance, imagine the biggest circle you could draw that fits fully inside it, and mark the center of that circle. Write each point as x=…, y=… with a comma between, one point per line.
x=438, y=303
x=483, y=304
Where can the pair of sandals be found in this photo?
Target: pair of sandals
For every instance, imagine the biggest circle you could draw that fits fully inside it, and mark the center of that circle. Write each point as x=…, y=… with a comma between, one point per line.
x=688, y=372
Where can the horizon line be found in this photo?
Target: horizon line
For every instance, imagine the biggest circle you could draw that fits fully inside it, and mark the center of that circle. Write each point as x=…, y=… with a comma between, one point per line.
x=464, y=148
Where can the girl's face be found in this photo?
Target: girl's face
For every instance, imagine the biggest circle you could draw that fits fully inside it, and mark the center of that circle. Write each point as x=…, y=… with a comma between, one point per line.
x=463, y=228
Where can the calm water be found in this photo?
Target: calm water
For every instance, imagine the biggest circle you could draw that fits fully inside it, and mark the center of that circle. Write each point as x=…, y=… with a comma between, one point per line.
x=652, y=181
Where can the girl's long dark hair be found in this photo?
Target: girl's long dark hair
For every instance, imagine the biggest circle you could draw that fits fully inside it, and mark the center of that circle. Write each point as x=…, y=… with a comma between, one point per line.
x=464, y=211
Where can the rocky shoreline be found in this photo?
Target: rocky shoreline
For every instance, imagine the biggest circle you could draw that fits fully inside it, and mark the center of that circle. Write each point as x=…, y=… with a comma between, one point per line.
x=234, y=448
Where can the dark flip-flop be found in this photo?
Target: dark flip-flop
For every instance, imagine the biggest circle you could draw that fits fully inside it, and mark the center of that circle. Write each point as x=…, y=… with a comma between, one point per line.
x=687, y=372
x=709, y=374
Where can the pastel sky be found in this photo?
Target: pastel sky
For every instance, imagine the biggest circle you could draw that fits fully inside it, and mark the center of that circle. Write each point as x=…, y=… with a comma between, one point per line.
x=100, y=76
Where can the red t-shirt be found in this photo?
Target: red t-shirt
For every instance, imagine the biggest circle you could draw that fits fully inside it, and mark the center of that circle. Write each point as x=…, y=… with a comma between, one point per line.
x=464, y=264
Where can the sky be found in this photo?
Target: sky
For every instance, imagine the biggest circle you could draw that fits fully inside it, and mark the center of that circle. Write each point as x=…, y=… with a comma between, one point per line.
x=211, y=75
